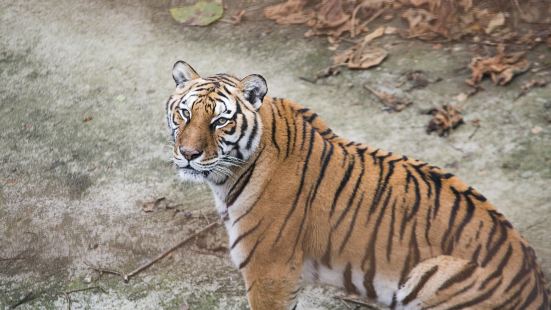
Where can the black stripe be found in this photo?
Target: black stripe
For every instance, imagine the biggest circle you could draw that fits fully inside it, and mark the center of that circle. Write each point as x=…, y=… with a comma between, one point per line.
x=301, y=226
x=424, y=279
x=354, y=192
x=342, y=184
x=447, y=240
x=247, y=260
x=499, y=270
x=245, y=234
x=288, y=129
x=437, y=189
x=423, y=176
x=497, y=246
x=325, y=159
x=382, y=182
x=299, y=191
x=461, y=276
x=391, y=232
x=311, y=118
x=274, y=129
x=233, y=195
x=413, y=256
x=478, y=299
x=241, y=182
x=349, y=287
x=253, y=133
x=516, y=296
x=351, y=226
x=466, y=219
x=417, y=202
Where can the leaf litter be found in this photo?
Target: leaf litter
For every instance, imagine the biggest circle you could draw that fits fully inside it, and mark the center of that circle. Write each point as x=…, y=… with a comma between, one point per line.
x=501, y=68
x=444, y=119
x=201, y=13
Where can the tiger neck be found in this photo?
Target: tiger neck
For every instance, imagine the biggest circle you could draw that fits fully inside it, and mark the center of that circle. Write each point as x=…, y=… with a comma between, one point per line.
x=240, y=187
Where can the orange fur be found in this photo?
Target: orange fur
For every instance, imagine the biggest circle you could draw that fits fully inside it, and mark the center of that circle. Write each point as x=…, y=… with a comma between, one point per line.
x=388, y=227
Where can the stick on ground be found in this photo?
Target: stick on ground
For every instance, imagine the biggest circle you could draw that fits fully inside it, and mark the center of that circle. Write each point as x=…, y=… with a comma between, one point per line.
x=126, y=276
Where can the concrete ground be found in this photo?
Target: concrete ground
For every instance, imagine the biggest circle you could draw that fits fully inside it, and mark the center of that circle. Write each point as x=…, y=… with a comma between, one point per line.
x=83, y=145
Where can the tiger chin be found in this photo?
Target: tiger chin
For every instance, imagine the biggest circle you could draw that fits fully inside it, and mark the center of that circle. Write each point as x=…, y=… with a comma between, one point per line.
x=301, y=203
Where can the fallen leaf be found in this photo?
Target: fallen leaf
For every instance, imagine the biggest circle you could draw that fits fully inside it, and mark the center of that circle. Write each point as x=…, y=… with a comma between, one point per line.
x=391, y=30
x=497, y=21
x=536, y=130
x=202, y=13
x=290, y=12
x=419, y=21
x=501, y=68
x=361, y=58
x=391, y=101
x=444, y=120
x=461, y=97
x=377, y=33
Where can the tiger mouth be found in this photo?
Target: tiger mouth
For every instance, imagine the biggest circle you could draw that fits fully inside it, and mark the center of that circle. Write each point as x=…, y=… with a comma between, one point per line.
x=190, y=170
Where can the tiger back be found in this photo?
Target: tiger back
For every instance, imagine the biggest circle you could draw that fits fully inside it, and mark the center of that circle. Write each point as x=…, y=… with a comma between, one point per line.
x=300, y=202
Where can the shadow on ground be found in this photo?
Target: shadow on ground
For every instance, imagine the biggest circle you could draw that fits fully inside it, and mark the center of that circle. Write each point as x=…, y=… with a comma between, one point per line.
x=83, y=144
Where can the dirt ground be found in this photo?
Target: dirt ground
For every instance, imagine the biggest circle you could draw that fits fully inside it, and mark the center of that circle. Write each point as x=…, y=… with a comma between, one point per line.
x=83, y=146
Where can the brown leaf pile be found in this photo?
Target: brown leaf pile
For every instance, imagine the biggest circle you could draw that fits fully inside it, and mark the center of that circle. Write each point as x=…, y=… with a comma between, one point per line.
x=444, y=120
x=426, y=19
x=363, y=55
x=501, y=67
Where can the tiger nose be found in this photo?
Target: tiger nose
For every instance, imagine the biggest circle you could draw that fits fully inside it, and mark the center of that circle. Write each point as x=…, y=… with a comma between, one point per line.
x=190, y=153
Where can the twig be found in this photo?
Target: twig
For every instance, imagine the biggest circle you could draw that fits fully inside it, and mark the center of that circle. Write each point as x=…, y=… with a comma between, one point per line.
x=126, y=276
x=356, y=301
x=474, y=132
x=68, y=298
x=27, y=298
x=105, y=270
x=3, y=259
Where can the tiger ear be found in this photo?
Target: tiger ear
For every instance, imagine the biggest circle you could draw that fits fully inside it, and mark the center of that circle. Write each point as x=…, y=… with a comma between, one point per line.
x=182, y=72
x=254, y=89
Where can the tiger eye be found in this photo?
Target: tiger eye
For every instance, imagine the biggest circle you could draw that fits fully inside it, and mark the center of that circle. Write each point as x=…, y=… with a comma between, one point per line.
x=185, y=113
x=221, y=121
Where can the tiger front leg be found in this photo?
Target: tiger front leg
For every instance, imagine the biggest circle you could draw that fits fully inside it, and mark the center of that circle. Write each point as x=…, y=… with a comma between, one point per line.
x=271, y=274
x=273, y=286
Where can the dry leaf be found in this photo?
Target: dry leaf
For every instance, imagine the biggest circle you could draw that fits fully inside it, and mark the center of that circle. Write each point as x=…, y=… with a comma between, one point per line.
x=501, y=68
x=361, y=58
x=444, y=120
x=497, y=21
x=377, y=33
x=420, y=23
x=536, y=130
x=290, y=12
x=391, y=101
x=461, y=97
x=391, y=30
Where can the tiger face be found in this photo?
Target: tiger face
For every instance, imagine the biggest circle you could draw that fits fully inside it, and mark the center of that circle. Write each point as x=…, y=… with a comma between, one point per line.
x=213, y=122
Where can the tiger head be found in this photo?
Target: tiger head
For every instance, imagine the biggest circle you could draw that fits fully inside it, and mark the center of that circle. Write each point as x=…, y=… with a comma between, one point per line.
x=214, y=122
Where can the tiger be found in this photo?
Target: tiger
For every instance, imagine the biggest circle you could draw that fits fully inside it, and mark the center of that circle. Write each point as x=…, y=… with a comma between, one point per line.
x=301, y=203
